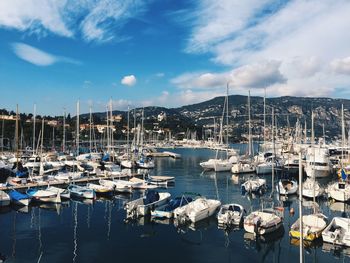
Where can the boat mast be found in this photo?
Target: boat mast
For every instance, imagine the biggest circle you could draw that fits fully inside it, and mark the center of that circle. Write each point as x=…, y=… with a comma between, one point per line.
x=64, y=132
x=127, y=134
x=41, y=169
x=78, y=128
x=17, y=141
x=264, y=118
x=301, y=246
x=111, y=124
x=227, y=118
x=274, y=150
x=107, y=130
x=249, y=128
x=342, y=134
x=3, y=134
x=90, y=130
x=34, y=117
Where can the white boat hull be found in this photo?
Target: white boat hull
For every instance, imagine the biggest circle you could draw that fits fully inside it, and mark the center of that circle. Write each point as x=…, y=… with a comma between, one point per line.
x=337, y=232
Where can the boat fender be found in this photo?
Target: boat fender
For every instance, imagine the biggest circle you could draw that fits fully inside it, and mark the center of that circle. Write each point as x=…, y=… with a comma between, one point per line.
x=291, y=212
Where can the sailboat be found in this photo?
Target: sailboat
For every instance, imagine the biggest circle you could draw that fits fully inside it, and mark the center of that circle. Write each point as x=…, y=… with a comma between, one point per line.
x=246, y=164
x=216, y=164
x=311, y=188
x=308, y=227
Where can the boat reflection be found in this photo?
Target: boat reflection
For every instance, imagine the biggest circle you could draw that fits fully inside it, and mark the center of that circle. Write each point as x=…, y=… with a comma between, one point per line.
x=264, y=242
x=200, y=225
x=337, y=251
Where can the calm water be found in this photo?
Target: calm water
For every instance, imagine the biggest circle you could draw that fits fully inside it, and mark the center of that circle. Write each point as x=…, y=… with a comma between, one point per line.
x=96, y=232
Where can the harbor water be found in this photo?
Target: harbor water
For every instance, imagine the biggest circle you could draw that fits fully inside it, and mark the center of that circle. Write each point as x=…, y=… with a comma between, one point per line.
x=86, y=231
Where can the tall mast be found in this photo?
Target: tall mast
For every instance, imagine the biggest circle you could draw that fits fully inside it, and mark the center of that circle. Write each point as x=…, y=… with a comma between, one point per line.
x=41, y=169
x=342, y=133
x=53, y=137
x=90, y=130
x=227, y=115
x=142, y=127
x=128, y=131
x=64, y=132
x=107, y=130
x=274, y=149
x=264, y=117
x=78, y=128
x=312, y=129
x=111, y=122
x=34, y=117
x=249, y=128
x=17, y=141
x=301, y=246
x=3, y=134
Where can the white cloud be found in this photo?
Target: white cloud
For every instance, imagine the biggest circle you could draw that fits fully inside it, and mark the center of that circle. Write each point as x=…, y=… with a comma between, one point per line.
x=341, y=66
x=200, y=80
x=93, y=20
x=34, y=15
x=255, y=75
x=38, y=57
x=306, y=37
x=129, y=80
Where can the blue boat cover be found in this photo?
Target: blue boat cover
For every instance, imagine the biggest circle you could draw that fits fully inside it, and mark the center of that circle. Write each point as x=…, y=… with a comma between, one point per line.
x=21, y=173
x=105, y=157
x=31, y=191
x=15, y=195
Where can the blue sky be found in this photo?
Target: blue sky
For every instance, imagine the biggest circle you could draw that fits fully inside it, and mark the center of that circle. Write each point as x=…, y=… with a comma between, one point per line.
x=169, y=52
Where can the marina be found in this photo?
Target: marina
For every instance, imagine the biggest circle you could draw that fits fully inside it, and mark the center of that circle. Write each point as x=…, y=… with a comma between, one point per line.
x=174, y=131
x=88, y=230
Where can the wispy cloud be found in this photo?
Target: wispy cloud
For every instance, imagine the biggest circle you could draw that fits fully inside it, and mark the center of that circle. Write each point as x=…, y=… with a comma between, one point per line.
x=98, y=21
x=129, y=80
x=38, y=57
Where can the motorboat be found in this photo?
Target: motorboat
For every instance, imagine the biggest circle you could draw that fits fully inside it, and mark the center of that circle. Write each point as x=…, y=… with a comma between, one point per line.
x=4, y=199
x=337, y=232
x=100, y=189
x=44, y=196
x=145, y=204
x=262, y=222
x=230, y=214
x=313, y=225
x=287, y=187
x=19, y=198
x=81, y=192
x=167, y=211
x=317, y=162
x=254, y=185
x=339, y=191
x=243, y=166
x=197, y=210
x=145, y=163
x=64, y=193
